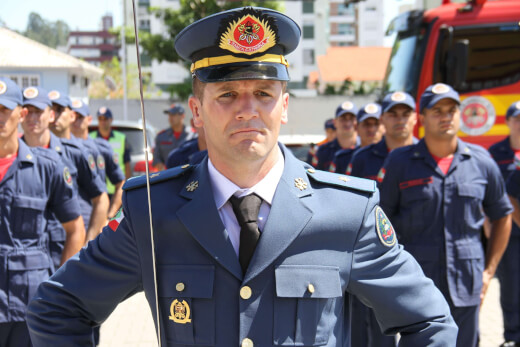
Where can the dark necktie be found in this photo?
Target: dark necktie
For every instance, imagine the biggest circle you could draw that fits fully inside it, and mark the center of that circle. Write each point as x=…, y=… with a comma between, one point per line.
x=246, y=210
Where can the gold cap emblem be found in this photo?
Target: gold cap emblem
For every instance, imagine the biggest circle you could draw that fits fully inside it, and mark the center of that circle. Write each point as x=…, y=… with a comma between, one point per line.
x=347, y=105
x=3, y=87
x=30, y=93
x=248, y=33
x=180, y=312
x=77, y=103
x=371, y=108
x=53, y=95
x=440, y=88
x=398, y=96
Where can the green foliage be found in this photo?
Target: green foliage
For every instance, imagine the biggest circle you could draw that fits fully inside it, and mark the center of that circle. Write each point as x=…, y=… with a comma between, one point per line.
x=161, y=47
x=51, y=34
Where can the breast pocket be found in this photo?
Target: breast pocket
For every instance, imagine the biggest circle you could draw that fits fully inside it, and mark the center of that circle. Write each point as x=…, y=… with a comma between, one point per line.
x=471, y=196
x=25, y=273
x=27, y=214
x=305, y=304
x=416, y=208
x=186, y=303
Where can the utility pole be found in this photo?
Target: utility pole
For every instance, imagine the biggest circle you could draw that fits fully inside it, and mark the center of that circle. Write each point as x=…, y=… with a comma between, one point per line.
x=124, y=61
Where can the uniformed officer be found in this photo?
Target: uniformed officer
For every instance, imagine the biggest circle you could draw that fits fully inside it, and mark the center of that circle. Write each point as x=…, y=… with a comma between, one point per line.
x=506, y=153
x=189, y=152
x=369, y=131
x=37, y=134
x=170, y=138
x=253, y=247
x=398, y=119
x=330, y=134
x=94, y=215
x=436, y=192
x=117, y=141
x=31, y=181
x=346, y=136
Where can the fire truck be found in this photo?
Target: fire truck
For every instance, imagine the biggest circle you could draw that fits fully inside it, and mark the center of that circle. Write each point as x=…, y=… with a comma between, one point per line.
x=472, y=46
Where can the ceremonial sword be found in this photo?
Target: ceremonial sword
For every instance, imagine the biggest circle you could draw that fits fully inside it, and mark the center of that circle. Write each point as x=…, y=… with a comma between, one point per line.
x=143, y=117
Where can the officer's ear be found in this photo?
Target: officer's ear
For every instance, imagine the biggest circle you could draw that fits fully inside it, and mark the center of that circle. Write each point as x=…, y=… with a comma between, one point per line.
x=52, y=115
x=285, y=108
x=195, y=107
x=89, y=119
x=23, y=113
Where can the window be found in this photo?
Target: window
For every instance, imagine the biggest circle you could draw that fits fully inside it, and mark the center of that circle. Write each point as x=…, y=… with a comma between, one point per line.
x=308, y=31
x=85, y=82
x=308, y=56
x=24, y=81
x=73, y=79
x=345, y=9
x=308, y=6
x=493, y=56
x=346, y=29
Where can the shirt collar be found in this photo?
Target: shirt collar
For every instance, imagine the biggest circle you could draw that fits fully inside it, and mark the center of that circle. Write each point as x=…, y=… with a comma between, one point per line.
x=223, y=188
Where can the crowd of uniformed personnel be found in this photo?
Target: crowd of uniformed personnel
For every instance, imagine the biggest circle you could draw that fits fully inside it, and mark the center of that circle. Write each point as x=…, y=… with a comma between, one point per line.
x=59, y=185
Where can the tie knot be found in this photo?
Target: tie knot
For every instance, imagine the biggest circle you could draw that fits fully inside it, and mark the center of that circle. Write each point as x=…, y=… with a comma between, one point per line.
x=246, y=208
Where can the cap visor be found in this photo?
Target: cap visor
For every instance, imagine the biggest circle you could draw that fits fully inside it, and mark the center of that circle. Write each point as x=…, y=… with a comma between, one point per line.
x=367, y=116
x=8, y=104
x=344, y=112
x=243, y=71
x=438, y=98
x=389, y=107
x=39, y=105
x=61, y=103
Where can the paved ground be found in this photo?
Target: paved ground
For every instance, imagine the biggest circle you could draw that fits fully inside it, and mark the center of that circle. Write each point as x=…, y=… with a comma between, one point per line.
x=131, y=323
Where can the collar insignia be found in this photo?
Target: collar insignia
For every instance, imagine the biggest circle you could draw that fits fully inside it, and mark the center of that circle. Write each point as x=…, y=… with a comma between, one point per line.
x=192, y=186
x=248, y=32
x=300, y=183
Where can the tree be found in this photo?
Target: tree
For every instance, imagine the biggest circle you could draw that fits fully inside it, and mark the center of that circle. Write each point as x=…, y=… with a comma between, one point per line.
x=52, y=34
x=113, y=72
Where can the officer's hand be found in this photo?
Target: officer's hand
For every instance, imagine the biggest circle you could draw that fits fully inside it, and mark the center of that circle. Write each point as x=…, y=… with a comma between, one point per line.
x=486, y=279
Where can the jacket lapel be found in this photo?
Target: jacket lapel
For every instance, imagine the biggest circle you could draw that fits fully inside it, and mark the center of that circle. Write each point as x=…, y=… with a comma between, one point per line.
x=287, y=217
x=201, y=218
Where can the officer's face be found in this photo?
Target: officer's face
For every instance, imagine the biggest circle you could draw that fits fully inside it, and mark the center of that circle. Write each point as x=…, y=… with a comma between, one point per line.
x=80, y=125
x=514, y=126
x=63, y=119
x=370, y=131
x=104, y=123
x=9, y=120
x=37, y=121
x=330, y=134
x=442, y=121
x=241, y=119
x=399, y=122
x=345, y=125
x=175, y=120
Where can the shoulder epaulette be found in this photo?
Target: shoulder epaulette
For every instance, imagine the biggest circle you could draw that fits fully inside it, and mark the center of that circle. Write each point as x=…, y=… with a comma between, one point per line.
x=156, y=177
x=343, y=181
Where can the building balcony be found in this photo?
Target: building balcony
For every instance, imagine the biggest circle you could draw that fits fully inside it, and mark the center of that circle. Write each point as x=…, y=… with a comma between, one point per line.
x=342, y=37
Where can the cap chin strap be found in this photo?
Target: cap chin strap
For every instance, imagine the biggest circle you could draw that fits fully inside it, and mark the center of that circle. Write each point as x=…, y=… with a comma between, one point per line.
x=229, y=59
x=143, y=117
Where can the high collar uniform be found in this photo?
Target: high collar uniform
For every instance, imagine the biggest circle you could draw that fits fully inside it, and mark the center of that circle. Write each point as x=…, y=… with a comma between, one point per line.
x=319, y=246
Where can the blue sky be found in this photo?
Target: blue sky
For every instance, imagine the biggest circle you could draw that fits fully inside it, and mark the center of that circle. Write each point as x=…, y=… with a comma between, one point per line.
x=78, y=14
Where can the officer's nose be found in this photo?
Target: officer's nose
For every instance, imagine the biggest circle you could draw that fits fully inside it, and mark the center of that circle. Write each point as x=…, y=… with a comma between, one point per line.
x=247, y=107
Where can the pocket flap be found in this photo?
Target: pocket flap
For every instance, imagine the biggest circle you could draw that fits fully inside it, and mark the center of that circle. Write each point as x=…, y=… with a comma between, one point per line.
x=294, y=281
x=30, y=261
x=469, y=251
x=189, y=281
x=29, y=202
x=474, y=189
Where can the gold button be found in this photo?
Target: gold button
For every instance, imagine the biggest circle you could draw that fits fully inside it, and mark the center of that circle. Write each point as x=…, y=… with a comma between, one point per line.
x=245, y=293
x=180, y=287
x=247, y=342
x=310, y=288
x=185, y=166
x=311, y=170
